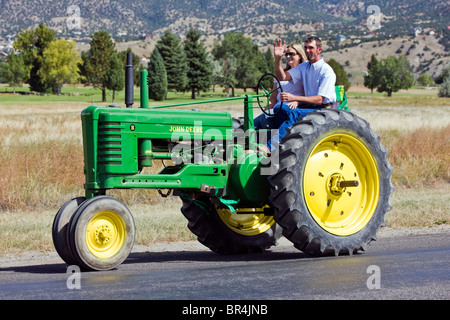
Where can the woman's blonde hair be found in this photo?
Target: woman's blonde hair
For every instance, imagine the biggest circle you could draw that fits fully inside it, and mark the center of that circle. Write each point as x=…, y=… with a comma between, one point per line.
x=299, y=49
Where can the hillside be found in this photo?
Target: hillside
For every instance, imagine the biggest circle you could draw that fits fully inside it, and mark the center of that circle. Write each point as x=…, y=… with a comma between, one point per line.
x=262, y=20
x=134, y=18
x=423, y=52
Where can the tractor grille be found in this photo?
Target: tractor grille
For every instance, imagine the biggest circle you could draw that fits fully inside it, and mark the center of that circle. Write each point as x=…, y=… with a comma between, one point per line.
x=109, y=143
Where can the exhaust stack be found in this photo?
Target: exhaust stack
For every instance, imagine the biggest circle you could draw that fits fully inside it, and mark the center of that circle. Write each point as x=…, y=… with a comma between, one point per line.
x=129, y=81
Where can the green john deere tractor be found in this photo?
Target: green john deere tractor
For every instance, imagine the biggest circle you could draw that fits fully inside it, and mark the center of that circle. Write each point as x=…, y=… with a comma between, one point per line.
x=326, y=188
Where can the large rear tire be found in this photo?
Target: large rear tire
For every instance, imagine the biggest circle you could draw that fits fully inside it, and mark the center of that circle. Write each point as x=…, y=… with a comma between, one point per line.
x=229, y=232
x=333, y=183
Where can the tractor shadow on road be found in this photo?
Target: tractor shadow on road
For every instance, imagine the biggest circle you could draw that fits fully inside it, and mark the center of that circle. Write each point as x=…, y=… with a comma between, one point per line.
x=209, y=256
x=166, y=256
x=274, y=254
x=37, y=269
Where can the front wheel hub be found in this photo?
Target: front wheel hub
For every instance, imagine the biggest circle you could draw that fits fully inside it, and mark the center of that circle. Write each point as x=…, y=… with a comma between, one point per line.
x=105, y=234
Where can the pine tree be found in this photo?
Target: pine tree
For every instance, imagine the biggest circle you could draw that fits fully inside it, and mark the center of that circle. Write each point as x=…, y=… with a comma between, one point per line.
x=169, y=46
x=97, y=61
x=199, y=68
x=157, y=77
x=115, y=79
x=270, y=61
x=371, y=80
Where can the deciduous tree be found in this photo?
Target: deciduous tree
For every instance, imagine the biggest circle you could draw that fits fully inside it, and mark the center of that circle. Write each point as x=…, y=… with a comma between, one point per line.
x=445, y=72
x=444, y=87
x=32, y=44
x=425, y=80
x=341, y=75
x=60, y=64
x=242, y=61
x=13, y=71
x=394, y=74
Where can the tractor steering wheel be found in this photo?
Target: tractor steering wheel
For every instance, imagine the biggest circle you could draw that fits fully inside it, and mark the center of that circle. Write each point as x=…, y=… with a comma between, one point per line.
x=265, y=108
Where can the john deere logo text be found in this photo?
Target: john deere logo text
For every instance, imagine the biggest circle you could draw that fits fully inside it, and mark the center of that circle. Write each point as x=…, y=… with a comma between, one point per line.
x=186, y=129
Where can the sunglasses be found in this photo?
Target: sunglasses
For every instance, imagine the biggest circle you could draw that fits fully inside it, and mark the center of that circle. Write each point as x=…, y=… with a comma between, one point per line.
x=290, y=54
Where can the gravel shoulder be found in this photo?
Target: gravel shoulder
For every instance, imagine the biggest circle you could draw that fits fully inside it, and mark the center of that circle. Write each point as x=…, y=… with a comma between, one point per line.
x=42, y=258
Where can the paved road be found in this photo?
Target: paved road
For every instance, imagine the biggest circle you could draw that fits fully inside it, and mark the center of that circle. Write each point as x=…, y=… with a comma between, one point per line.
x=401, y=267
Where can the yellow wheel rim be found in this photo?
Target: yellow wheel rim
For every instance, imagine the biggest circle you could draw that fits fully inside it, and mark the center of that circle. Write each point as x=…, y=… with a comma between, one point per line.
x=105, y=234
x=248, y=224
x=334, y=167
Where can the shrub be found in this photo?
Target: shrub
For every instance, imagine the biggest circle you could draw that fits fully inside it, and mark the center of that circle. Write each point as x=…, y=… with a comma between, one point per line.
x=444, y=88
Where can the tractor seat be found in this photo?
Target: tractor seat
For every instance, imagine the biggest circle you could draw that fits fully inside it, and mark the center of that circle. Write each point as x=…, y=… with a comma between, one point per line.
x=341, y=99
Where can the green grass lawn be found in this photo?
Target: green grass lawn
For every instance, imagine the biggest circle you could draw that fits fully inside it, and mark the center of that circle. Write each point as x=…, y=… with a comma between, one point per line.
x=93, y=96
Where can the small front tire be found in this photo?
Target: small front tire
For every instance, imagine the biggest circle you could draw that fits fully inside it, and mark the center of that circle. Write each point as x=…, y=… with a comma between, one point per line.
x=101, y=233
x=60, y=229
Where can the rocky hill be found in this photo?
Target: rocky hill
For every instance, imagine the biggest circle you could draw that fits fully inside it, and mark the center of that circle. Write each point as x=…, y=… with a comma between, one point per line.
x=351, y=29
x=134, y=18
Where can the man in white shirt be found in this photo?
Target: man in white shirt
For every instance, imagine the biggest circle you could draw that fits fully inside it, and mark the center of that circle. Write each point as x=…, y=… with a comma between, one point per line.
x=315, y=76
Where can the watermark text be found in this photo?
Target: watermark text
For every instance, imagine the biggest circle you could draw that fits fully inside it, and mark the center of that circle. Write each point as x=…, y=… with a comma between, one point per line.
x=73, y=22
x=74, y=278
x=374, y=280
x=374, y=20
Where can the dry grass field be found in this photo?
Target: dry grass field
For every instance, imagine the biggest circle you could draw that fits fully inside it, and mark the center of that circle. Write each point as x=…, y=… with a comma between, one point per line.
x=42, y=167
